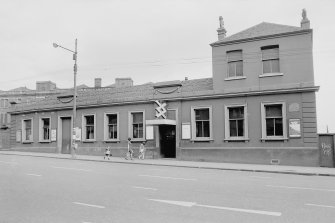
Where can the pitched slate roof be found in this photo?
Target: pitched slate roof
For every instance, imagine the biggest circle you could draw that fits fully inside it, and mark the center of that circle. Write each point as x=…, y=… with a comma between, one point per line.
x=108, y=96
x=261, y=30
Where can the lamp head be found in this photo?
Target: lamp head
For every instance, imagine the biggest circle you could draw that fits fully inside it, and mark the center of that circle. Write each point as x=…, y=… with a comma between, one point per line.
x=55, y=45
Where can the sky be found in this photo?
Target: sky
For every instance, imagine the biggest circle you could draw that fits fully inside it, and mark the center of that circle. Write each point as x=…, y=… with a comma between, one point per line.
x=147, y=40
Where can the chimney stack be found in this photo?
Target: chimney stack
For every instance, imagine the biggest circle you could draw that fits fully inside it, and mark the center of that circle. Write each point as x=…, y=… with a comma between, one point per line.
x=305, y=24
x=221, y=30
x=97, y=82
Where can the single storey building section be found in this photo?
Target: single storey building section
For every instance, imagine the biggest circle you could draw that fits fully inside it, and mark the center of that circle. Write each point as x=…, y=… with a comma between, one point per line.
x=259, y=107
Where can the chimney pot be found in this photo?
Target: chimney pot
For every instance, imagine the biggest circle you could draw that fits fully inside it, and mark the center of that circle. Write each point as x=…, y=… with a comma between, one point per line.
x=305, y=23
x=221, y=30
x=97, y=82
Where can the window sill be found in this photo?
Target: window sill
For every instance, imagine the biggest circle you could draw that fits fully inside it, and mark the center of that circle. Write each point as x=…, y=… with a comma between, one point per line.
x=235, y=78
x=202, y=140
x=271, y=74
x=89, y=141
x=44, y=141
x=138, y=140
x=274, y=139
x=112, y=140
x=236, y=140
x=27, y=142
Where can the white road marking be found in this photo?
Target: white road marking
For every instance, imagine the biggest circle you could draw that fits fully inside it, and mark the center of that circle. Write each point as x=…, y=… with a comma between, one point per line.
x=320, y=205
x=144, y=188
x=89, y=205
x=68, y=168
x=13, y=163
x=172, y=178
x=261, y=177
x=33, y=174
x=87, y=222
x=301, y=188
x=192, y=204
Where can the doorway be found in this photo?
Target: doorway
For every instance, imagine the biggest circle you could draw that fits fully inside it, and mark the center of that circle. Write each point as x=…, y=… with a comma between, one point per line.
x=167, y=141
x=66, y=135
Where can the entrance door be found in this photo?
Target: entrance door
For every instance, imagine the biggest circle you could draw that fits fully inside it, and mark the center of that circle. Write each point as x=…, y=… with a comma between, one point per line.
x=167, y=141
x=66, y=135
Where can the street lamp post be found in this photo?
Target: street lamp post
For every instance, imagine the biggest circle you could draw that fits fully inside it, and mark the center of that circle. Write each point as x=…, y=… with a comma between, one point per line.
x=75, y=53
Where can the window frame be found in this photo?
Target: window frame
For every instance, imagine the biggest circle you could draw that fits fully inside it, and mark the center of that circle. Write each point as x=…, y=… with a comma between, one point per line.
x=24, y=139
x=263, y=121
x=245, y=136
x=130, y=125
x=193, y=124
x=41, y=138
x=235, y=77
x=106, y=125
x=84, y=125
x=270, y=74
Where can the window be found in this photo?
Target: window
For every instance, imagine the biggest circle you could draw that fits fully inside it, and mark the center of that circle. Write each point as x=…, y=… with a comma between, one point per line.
x=111, y=127
x=137, y=125
x=235, y=63
x=27, y=130
x=89, y=127
x=274, y=121
x=4, y=103
x=236, y=123
x=44, y=129
x=201, y=123
x=270, y=59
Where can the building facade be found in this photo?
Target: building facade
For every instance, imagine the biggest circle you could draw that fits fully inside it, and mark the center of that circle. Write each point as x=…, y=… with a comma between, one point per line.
x=259, y=107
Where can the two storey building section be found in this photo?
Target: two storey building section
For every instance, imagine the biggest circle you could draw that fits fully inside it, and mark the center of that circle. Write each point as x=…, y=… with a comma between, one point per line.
x=258, y=107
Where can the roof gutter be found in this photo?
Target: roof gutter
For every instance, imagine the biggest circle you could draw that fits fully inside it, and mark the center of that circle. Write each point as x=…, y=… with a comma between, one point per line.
x=185, y=98
x=294, y=33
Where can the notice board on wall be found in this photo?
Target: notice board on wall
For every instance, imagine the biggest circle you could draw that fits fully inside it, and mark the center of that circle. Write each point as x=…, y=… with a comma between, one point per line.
x=149, y=132
x=18, y=136
x=294, y=128
x=186, y=130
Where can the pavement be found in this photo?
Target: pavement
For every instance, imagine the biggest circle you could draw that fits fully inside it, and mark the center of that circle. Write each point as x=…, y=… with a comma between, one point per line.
x=298, y=170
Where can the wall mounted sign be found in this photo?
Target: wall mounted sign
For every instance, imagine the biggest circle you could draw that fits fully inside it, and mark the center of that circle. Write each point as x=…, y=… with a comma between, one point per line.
x=186, y=130
x=149, y=132
x=53, y=135
x=77, y=133
x=160, y=109
x=18, y=136
x=294, y=107
x=294, y=128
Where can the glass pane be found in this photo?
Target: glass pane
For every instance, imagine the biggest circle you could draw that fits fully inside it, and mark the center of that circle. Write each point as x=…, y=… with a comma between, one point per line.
x=273, y=110
x=138, y=117
x=231, y=69
x=270, y=127
x=198, y=132
x=270, y=54
x=46, y=122
x=206, y=129
x=89, y=120
x=112, y=131
x=90, y=132
x=233, y=128
x=279, y=127
x=275, y=66
x=45, y=133
x=240, y=125
x=234, y=55
x=236, y=112
x=266, y=66
x=28, y=124
x=112, y=119
x=239, y=68
x=202, y=114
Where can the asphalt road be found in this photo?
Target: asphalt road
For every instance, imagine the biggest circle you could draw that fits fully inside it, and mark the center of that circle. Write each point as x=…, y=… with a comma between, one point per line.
x=36, y=189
